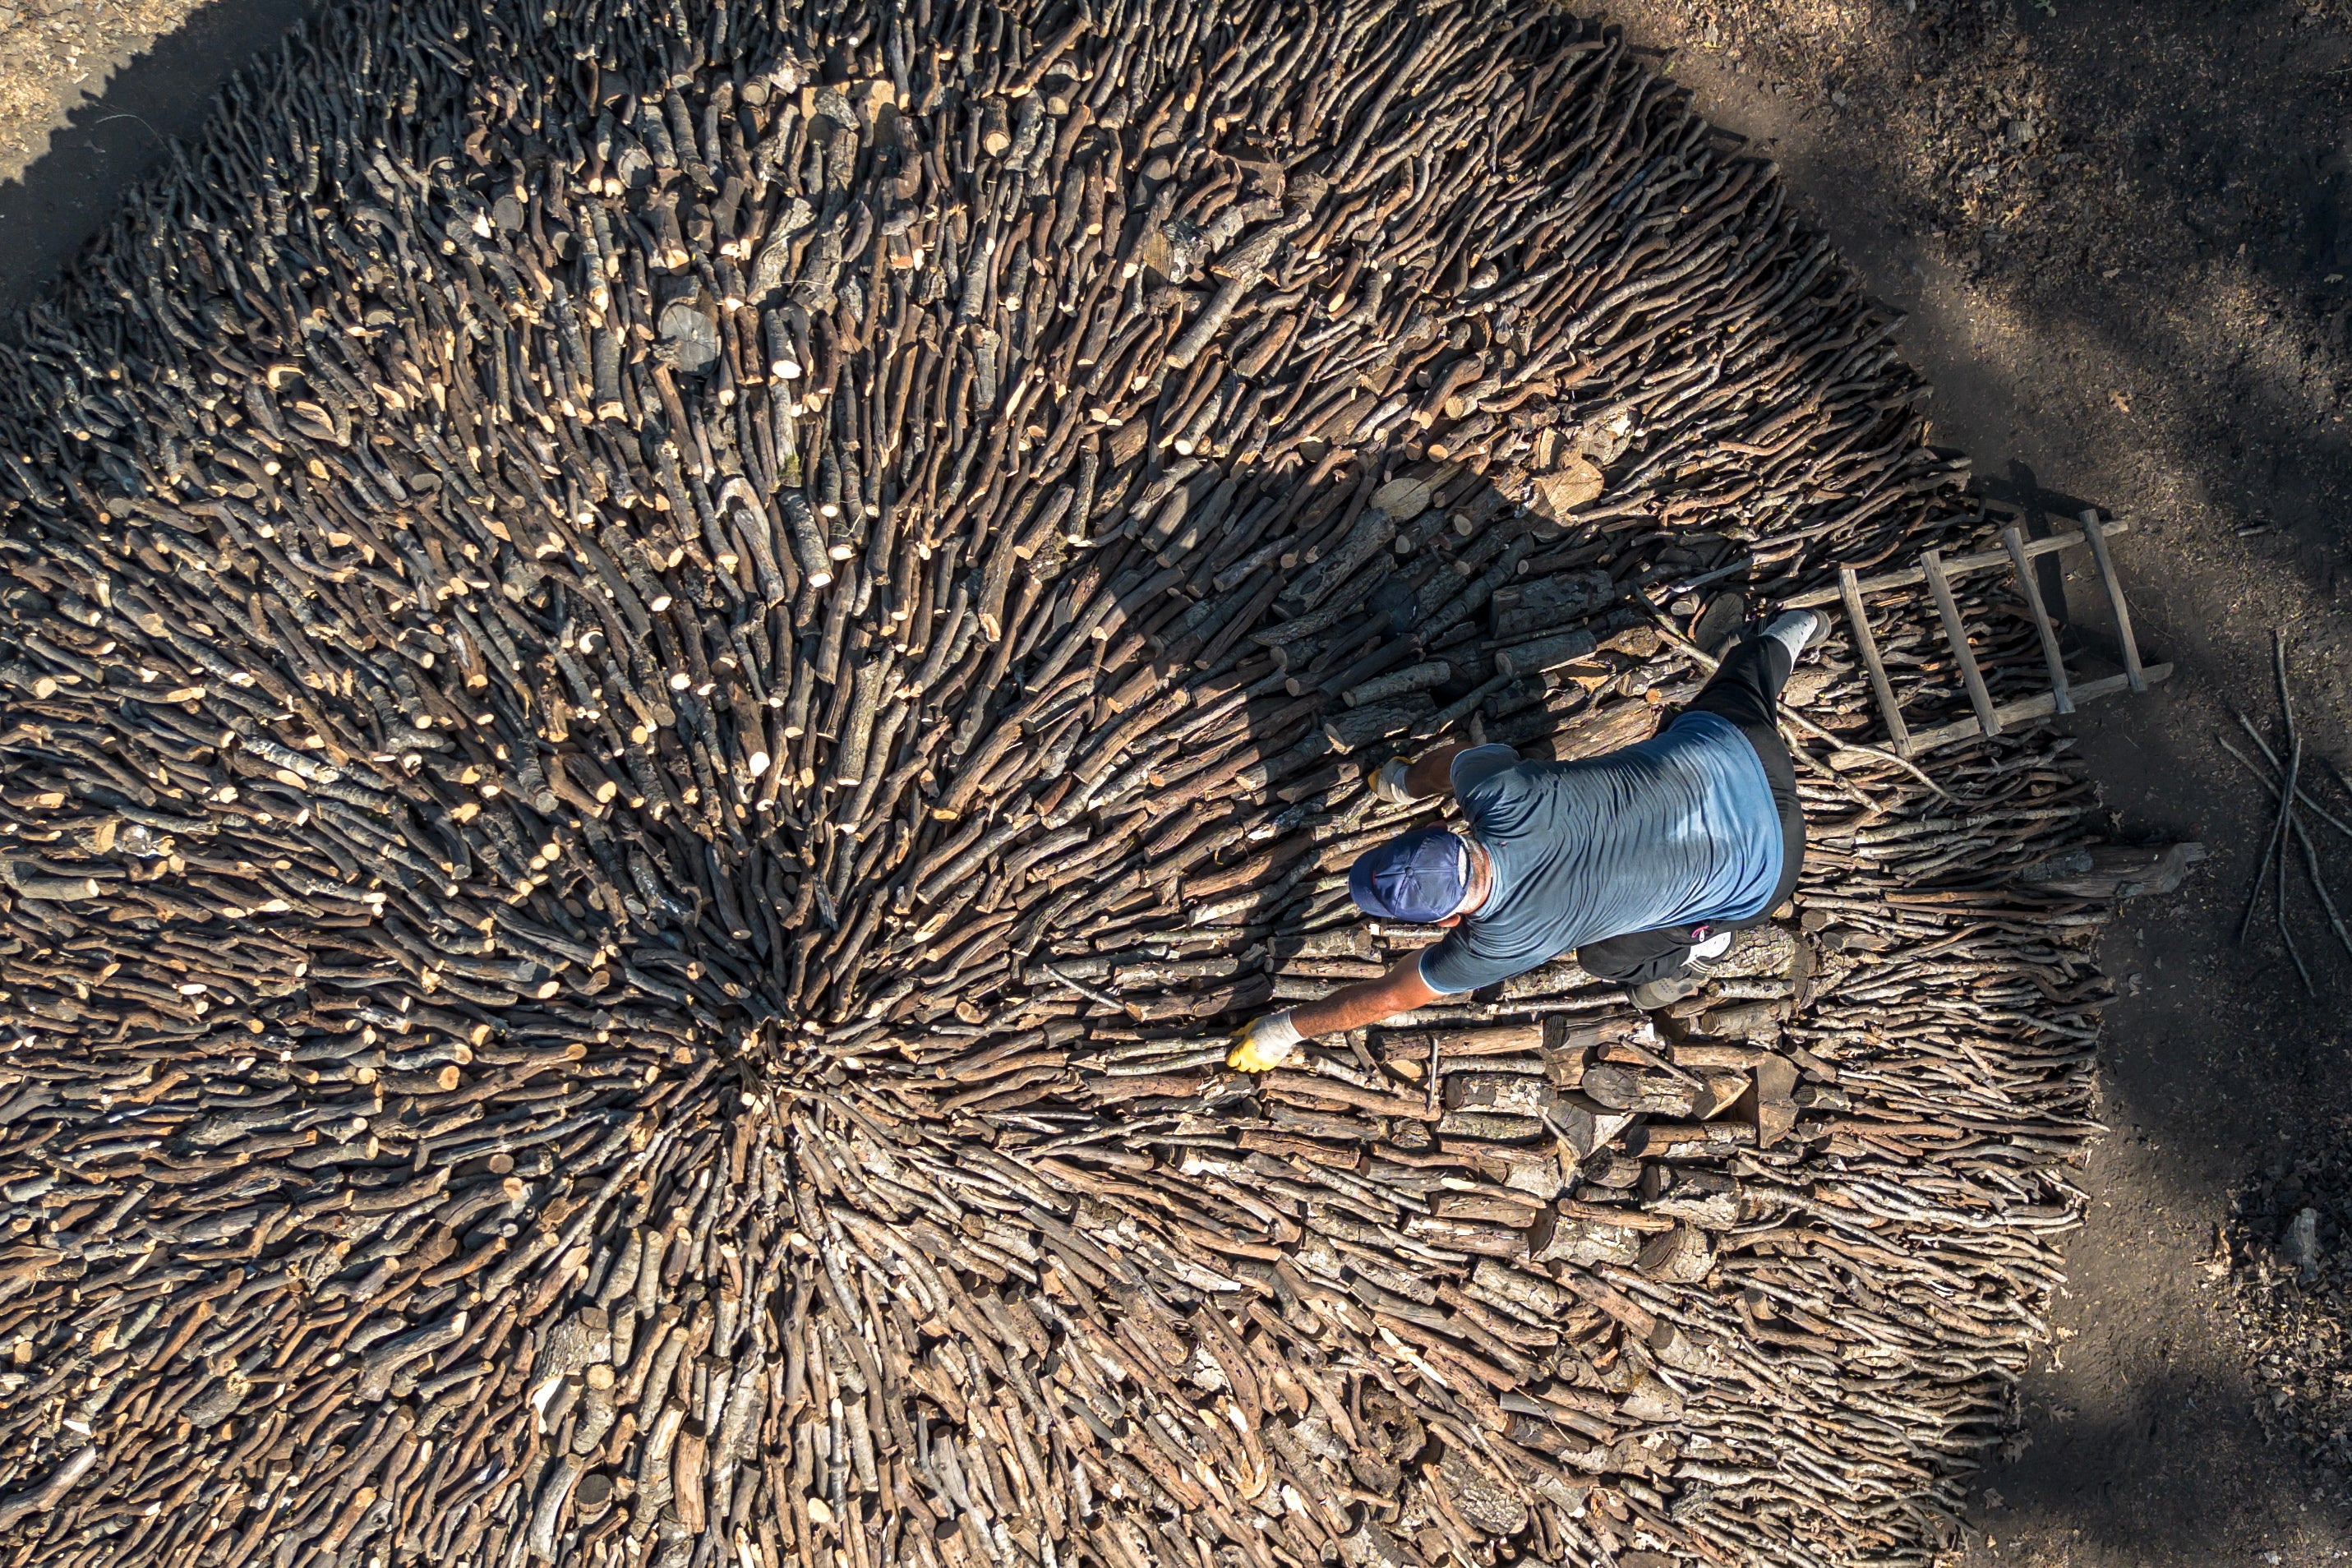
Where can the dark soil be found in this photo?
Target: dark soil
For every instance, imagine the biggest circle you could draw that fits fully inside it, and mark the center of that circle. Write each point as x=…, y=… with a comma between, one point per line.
x=2123, y=235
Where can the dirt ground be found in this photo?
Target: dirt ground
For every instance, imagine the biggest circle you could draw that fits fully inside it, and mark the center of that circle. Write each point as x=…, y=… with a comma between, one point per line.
x=53, y=52
x=2122, y=233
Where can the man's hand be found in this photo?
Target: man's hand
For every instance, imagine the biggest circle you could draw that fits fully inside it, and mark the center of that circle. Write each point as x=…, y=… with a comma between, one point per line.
x=1400, y=781
x=1389, y=782
x=1265, y=1044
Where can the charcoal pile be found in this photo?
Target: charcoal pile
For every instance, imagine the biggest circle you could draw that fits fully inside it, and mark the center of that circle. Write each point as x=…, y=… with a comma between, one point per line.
x=669, y=671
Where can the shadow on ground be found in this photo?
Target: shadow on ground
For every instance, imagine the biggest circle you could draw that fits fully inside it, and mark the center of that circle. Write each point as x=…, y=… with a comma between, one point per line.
x=110, y=142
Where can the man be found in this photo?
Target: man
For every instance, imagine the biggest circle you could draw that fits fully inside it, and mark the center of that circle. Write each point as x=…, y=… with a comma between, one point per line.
x=1639, y=861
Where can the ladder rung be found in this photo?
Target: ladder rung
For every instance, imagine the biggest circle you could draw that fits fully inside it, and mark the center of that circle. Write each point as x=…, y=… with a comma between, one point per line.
x=1939, y=588
x=1896, y=730
x=2014, y=539
x=2097, y=532
x=2027, y=709
x=1954, y=566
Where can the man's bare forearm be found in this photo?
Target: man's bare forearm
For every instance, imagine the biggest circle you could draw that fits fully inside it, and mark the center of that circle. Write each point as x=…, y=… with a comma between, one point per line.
x=1401, y=990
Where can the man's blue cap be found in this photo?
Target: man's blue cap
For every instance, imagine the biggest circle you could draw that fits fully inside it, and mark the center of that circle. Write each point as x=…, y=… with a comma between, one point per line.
x=1419, y=878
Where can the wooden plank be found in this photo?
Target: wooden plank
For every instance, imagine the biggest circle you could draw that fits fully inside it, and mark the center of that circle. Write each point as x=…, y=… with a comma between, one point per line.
x=1939, y=588
x=2014, y=540
x=1961, y=565
x=2025, y=709
x=1896, y=730
x=2096, y=531
x=1954, y=566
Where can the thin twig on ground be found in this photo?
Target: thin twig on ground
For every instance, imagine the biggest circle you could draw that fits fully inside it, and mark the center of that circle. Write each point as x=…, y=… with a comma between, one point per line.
x=2311, y=865
x=2285, y=831
x=2262, y=870
x=2287, y=799
x=2302, y=797
x=2302, y=837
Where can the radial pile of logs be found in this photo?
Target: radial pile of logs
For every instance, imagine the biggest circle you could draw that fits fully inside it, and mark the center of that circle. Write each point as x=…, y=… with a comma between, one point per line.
x=667, y=670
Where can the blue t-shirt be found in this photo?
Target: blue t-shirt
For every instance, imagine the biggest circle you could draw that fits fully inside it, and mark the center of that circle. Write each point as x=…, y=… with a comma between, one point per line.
x=1674, y=831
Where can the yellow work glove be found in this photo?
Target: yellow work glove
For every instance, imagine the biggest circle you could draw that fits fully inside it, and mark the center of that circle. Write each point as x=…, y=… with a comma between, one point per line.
x=1265, y=1044
x=1389, y=782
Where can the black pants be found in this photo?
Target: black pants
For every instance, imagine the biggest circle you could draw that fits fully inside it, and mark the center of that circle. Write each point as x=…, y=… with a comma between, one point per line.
x=1746, y=692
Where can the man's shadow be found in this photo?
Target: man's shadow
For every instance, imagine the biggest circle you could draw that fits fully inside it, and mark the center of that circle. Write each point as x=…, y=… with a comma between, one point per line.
x=1410, y=600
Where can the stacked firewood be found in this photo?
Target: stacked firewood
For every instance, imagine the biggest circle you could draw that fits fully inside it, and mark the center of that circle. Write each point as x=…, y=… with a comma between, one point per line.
x=668, y=671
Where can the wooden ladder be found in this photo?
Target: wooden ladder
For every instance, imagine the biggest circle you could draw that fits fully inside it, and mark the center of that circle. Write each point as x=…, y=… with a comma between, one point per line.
x=1937, y=572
